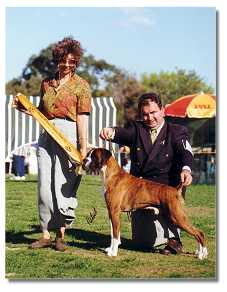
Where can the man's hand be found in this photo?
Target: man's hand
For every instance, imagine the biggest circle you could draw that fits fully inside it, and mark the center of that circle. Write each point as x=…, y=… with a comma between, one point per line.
x=106, y=133
x=186, y=177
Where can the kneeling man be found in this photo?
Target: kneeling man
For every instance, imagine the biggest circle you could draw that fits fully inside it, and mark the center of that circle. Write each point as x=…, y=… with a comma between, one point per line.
x=159, y=151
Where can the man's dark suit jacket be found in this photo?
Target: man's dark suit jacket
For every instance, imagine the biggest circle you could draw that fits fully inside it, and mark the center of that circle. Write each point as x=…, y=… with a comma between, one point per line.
x=161, y=162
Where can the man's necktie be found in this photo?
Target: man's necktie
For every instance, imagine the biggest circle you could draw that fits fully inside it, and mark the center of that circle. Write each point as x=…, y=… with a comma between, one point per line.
x=153, y=135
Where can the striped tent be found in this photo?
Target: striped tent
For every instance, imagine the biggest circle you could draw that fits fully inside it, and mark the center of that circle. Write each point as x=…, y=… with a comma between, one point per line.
x=22, y=130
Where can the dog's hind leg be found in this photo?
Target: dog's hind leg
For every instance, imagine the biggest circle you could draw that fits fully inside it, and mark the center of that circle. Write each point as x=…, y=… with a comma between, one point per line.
x=179, y=218
x=201, y=252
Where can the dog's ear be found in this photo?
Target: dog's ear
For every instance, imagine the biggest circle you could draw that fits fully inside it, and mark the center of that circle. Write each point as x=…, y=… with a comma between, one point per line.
x=104, y=155
x=90, y=151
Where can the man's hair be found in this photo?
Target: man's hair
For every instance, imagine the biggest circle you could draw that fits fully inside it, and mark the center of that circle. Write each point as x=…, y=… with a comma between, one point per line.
x=149, y=97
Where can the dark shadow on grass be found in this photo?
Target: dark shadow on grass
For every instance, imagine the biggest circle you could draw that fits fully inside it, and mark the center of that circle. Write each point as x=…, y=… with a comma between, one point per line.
x=95, y=240
x=22, y=182
x=29, y=181
x=92, y=239
x=14, y=237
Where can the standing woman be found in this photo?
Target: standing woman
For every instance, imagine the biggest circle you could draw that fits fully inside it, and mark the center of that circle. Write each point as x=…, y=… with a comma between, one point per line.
x=66, y=102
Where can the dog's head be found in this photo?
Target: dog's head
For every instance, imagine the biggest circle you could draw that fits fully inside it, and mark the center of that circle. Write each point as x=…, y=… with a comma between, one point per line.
x=95, y=160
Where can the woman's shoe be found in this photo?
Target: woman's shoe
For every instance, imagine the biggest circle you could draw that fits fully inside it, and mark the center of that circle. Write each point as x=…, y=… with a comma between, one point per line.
x=60, y=244
x=41, y=243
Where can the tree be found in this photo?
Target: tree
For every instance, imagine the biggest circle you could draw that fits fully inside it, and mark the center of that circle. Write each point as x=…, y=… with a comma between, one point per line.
x=172, y=85
x=125, y=89
x=37, y=68
x=108, y=80
x=104, y=79
x=169, y=85
x=96, y=72
x=42, y=66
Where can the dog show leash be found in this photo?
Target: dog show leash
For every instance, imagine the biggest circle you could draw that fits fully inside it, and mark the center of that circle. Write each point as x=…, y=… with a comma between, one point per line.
x=111, y=147
x=91, y=216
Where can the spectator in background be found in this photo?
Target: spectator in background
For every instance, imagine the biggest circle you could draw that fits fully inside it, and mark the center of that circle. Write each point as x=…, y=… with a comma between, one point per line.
x=18, y=168
x=125, y=157
x=18, y=163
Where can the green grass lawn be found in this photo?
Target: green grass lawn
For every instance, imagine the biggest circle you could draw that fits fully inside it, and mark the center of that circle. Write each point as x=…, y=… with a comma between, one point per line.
x=85, y=257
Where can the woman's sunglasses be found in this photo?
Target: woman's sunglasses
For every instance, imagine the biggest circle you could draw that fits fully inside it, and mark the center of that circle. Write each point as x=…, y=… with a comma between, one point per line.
x=69, y=62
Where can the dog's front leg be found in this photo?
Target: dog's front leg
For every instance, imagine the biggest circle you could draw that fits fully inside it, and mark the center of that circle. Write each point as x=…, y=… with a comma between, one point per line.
x=115, y=234
x=111, y=243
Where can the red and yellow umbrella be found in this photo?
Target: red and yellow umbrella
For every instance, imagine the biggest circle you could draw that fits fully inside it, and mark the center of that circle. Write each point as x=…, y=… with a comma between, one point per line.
x=200, y=105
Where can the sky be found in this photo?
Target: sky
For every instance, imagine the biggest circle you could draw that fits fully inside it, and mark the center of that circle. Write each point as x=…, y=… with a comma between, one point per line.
x=139, y=40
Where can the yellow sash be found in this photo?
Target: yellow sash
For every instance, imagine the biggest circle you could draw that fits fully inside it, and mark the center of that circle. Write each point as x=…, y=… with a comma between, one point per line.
x=67, y=146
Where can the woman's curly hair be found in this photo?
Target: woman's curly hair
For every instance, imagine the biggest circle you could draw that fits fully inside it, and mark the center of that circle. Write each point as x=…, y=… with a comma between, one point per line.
x=67, y=46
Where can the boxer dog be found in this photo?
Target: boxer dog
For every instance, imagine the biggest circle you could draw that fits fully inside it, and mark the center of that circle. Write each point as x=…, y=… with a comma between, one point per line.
x=124, y=192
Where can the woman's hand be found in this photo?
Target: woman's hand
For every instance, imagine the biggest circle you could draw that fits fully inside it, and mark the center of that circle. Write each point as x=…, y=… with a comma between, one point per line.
x=83, y=152
x=15, y=102
x=17, y=105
